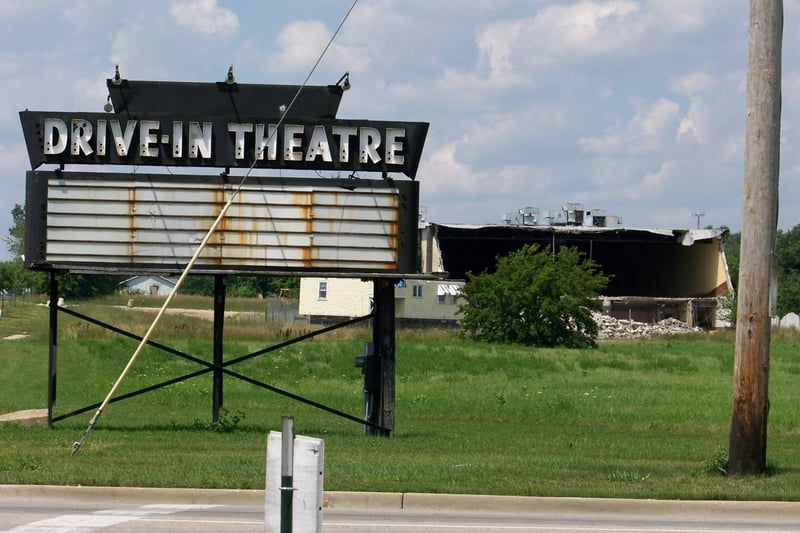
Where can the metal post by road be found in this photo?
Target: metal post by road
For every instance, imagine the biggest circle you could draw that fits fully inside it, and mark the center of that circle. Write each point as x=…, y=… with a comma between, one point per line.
x=287, y=473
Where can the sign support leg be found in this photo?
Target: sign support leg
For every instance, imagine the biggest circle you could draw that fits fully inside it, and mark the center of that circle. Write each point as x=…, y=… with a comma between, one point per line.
x=384, y=343
x=219, y=318
x=53, y=349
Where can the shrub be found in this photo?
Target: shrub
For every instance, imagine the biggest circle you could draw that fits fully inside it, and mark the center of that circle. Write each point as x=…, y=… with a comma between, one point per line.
x=535, y=298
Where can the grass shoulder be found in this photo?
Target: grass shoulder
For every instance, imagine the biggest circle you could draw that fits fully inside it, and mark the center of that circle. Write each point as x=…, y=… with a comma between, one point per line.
x=638, y=419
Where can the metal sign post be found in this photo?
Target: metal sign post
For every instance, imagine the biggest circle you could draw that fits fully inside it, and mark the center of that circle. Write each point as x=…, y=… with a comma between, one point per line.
x=382, y=411
x=219, y=320
x=287, y=473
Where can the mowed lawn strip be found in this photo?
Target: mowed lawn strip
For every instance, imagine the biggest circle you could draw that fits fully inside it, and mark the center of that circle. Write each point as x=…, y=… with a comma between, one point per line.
x=640, y=419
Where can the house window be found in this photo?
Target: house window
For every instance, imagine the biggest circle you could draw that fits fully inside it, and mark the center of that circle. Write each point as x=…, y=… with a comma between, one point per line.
x=417, y=291
x=323, y=290
x=443, y=290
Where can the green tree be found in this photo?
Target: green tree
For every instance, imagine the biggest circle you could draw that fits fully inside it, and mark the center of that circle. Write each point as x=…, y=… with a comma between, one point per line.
x=732, y=245
x=535, y=298
x=85, y=286
x=788, y=252
x=15, y=240
x=787, y=249
x=14, y=277
x=11, y=276
x=241, y=286
x=201, y=285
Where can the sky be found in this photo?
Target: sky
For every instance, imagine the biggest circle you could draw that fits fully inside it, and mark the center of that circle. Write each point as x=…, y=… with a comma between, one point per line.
x=634, y=107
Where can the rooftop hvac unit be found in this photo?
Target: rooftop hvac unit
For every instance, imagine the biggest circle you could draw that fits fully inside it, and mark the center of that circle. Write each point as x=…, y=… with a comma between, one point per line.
x=596, y=218
x=529, y=216
x=573, y=214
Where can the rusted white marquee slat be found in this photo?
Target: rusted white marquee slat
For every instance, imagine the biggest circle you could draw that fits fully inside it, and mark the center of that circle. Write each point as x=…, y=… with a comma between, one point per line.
x=158, y=220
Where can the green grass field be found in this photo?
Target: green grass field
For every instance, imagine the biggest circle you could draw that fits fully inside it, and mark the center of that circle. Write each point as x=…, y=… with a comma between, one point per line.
x=644, y=419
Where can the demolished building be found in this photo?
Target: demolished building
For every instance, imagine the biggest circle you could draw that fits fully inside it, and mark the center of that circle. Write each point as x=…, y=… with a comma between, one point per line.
x=654, y=274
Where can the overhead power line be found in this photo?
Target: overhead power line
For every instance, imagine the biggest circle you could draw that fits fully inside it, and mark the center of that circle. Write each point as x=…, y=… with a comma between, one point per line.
x=76, y=446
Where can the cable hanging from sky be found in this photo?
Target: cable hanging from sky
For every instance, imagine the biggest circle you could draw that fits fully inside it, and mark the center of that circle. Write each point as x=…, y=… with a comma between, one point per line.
x=76, y=446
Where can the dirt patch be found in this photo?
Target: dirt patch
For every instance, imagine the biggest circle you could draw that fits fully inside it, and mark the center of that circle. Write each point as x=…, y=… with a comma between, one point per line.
x=205, y=314
x=28, y=417
x=16, y=337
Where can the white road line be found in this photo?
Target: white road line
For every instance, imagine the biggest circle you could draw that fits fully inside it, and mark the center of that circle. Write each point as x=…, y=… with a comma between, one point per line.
x=383, y=526
x=75, y=523
x=83, y=523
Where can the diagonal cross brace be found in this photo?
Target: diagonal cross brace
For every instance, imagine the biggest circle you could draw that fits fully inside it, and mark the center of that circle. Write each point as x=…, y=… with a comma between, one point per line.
x=209, y=367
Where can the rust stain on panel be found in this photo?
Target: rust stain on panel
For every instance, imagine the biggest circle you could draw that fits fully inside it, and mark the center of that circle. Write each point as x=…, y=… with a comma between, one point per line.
x=308, y=215
x=131, y=220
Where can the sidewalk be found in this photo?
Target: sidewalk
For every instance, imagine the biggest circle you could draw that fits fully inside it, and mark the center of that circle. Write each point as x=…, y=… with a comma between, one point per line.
x=419, y=502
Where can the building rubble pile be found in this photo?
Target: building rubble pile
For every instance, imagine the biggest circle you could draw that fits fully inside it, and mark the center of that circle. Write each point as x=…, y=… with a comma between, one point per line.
x=613, y=328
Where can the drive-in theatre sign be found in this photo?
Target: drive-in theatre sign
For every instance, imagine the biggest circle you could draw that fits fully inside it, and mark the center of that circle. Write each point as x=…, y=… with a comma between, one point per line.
x=153, y=221
x=274, y=221
x=94, y=138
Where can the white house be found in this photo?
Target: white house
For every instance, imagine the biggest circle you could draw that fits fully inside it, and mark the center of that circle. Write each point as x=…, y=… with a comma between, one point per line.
x=414, y=299
x=149, y=285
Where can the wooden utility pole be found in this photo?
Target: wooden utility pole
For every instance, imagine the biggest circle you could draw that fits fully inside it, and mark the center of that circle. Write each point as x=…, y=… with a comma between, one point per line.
x=748, y=438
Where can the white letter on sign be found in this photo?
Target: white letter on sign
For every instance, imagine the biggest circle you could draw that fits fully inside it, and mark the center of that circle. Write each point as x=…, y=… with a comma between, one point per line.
x=394, y=148
x=369, y=140
x=147, y=138
x=291, y=142
x=238, y=143
x=200, y=140
x=269, y=143
x=319, y=145
x=81, y=134
x=122, y=142
x=58, y=127
x=101, y=136
x=177, y=138
x=344, y=133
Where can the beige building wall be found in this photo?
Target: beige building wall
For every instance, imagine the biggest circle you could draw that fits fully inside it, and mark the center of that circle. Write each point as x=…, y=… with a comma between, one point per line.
x=335, y=297
x=346, y=297
x=428, y=299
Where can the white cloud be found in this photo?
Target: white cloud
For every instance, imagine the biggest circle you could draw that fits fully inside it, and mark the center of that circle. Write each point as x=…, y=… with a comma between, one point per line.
x=657, y=120
x=556, y=34
x=588, y=28
x=693, y=83
x=688, y=129
x=647, y=131
x=496, y=45
x=698, y=87
x=205, y=17
x=677, y=16
x=300, y=44
x=531, y=102
x=445, y=174
x=652, y=185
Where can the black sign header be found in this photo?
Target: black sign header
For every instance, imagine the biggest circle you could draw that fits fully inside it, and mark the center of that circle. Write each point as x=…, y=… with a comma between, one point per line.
x=296, y=144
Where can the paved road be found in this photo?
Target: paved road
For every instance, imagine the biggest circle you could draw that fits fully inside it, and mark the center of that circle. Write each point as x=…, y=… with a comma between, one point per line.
x=25, y=509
